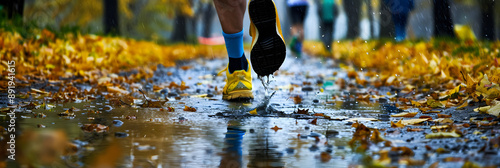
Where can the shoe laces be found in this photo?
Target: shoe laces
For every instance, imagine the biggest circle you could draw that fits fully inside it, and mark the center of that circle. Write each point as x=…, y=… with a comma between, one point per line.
x=238, y=74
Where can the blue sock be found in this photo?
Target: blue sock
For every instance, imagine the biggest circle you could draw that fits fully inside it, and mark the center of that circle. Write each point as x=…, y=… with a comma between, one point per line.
x=234, y=44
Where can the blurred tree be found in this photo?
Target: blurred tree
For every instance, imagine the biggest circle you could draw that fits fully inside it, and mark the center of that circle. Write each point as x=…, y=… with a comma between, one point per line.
x=387, y=27
x=13, y=7
x=443, y=24
x=353, y=9
x=111, y=17
x=488, y=21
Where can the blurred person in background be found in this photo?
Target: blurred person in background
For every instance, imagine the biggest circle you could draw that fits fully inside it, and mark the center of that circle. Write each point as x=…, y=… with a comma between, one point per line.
x=297, y=12
x=400, y=10
x=326, y=13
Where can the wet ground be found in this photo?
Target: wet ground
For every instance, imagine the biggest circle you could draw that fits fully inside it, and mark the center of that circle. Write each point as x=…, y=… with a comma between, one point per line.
x=224, y=134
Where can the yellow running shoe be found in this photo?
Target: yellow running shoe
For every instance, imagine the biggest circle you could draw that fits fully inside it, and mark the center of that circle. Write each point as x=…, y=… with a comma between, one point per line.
x=268, y=46
x=238, y=84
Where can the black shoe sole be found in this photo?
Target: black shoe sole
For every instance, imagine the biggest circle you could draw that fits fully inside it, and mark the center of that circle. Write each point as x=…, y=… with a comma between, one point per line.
x=269, y=51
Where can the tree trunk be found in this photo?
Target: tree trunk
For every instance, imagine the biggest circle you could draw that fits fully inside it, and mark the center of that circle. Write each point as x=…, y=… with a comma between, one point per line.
x=387, y=27
x=488, y=21
x=443, y=24
x=208, y=16
x=13, y=8
x=180, y=32
x=353, y=9
x=111, y=17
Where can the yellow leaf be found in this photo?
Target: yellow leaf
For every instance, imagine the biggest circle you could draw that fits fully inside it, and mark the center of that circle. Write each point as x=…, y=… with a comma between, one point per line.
x=465, y=104
x=434, y=103
x=253, y=112
x=397, y=125
x=483, y=109
x=406, y=114
x=114, y=89
x=495, y=110
x=470, y=82
x=413, y=121
x=443, y=120
x=434, y=135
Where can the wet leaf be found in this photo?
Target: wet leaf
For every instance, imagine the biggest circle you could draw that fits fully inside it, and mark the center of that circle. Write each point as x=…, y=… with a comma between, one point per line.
x=253, y=112
x=314, y=121
x=413, y=121
x=191, y=109
x=376, y=137
x=435, y=135
x=302, y=111
x=495, y=110
x=67, y=113
x=360, y=139
x=361, y=119
x=153, y=104
x=114, y=89
x=405, y=114
x=444, y=116
x=440, y=127
x=398, y=124
x=403, y=151
x=95, y=128
x=325, y=157
x=443, y=120
x=276, y=128
x=434, y=103
x=297, y=99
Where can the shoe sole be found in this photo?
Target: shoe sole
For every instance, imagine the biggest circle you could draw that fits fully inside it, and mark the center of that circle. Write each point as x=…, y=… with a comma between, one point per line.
x=238, y=95
x=269, y=51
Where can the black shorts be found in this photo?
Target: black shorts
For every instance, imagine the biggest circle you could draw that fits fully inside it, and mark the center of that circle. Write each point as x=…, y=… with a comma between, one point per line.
x=298, y=14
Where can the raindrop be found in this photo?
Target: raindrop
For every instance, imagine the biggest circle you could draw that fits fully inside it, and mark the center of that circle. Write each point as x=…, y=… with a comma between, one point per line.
x=322, y=35
x=365, y=41
x=328, y=46
x=319, y=27
x=338, y=41
x=366, y=53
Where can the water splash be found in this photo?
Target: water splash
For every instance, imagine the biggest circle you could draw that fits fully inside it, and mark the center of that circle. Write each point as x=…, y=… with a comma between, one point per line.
x=265, y=82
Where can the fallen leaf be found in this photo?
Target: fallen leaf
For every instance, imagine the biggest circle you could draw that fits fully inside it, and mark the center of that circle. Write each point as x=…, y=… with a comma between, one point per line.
x=440, y=127
x=67, y=113
x=361, y=119
x=191, y=109
x=253, y=112
x=495, y=110
x=443, y=120
x=413, y=121
x=405, y=114
x=314, y=121
x=325, y=157
x=95, y=128
x=302, y=111
x=153, y=103
x=114, y=89
x=444, y=116
x=297, y=99
x=398, y=124
x=435, y=135
x=434, y=103
x=276, y=128
x=376, y=137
